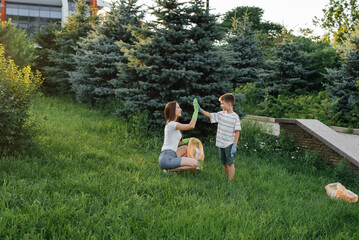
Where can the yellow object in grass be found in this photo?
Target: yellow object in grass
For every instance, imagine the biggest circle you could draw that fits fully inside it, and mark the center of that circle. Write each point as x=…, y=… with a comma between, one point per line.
x=339, y=192
x=195, y=150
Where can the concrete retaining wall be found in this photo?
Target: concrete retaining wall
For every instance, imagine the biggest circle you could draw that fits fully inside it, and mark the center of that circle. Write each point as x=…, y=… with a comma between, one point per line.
x=307, y=142
x=333, y=143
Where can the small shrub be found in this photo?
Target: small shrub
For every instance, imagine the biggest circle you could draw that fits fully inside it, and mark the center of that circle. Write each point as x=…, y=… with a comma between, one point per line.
x=282, y=149
x=17, y=88
x=254, y=140
x=252, y=96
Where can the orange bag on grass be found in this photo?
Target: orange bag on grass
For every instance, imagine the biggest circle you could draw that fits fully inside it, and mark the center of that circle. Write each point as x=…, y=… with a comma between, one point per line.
x=195, y=150
x=338, y=191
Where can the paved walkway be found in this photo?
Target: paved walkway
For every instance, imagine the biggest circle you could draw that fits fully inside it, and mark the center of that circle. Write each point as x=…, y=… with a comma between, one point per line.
x=351, y=137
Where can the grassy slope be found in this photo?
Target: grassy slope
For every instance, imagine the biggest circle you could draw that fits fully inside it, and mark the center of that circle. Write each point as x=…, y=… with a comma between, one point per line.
x=92, y=178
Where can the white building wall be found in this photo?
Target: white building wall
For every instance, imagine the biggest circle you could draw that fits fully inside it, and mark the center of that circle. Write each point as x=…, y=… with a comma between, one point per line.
x=63, y=4
x=64, y=11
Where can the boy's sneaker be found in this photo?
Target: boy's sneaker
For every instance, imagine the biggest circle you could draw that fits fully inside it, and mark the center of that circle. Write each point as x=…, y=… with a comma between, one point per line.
x=165, y=171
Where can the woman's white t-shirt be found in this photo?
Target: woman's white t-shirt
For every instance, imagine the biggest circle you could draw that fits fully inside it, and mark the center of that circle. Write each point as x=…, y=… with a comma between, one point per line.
x=172, y=137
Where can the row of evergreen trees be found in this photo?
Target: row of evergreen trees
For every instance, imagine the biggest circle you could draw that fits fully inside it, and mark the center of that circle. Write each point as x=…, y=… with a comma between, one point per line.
x=183, y=53
x=145, y=64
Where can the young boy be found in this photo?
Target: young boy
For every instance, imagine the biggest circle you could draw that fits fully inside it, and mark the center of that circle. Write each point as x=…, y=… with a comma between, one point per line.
x=229, y=127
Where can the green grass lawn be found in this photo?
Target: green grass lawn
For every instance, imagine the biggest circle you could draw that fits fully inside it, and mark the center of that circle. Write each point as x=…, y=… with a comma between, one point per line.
x=92, y=176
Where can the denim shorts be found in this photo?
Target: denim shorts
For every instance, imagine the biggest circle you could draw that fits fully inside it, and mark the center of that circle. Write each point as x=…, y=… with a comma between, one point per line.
x=226, y=155
x=168, y=159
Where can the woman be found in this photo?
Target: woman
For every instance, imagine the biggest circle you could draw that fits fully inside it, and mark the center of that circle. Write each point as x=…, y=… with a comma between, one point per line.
x=173, y=157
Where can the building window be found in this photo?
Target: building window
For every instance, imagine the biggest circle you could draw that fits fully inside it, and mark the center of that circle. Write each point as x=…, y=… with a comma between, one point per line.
x=32, y=17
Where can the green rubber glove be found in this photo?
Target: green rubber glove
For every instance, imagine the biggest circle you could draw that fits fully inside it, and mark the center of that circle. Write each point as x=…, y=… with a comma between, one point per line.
x=186, y=140
x=195, y=106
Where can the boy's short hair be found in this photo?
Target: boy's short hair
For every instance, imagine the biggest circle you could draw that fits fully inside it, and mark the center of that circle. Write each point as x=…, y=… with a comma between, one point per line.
x=228, y=97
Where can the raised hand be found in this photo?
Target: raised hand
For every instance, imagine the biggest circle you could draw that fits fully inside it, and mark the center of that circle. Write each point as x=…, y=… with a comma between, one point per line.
x=195, y=106
x=199, y=108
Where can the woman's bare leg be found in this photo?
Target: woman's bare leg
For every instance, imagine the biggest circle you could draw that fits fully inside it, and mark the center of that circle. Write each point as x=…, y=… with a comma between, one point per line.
x=182, y=151
x=186, y=164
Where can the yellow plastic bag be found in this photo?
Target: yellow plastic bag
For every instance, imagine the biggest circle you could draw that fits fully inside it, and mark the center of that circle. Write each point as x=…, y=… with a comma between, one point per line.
x=339, y=192
x=195, y=150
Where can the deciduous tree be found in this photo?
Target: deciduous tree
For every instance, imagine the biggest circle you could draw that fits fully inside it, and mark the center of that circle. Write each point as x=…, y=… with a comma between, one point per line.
x=339, y=19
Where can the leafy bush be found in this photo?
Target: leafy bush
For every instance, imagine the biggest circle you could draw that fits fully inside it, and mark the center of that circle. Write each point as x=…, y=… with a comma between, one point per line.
x=283, y=149
x=17, y=88
x=254, y=140
x=315, y=106
x=252, y=96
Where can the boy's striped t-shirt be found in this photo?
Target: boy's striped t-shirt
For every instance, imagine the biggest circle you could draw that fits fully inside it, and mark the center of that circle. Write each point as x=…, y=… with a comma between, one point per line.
x=227, y=125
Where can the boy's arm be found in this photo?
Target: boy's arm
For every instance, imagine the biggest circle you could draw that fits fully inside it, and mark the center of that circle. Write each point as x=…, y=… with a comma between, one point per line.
x=236, y=137
x=207, y=114
x=235, y=142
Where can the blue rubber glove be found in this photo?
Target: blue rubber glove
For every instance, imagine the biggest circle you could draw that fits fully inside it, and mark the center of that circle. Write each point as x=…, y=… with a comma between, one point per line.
x=233, y=150
x=199, y=108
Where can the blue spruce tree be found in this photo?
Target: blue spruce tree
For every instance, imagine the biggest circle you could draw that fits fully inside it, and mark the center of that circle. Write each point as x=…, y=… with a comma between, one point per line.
x=61, y=54
x=98, y=54
x=174, y=57
x=248, y=55
x=287, y=70
x=344, y=82
x=45, y=38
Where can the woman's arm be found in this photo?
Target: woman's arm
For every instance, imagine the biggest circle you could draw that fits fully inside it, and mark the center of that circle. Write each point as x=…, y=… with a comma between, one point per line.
x=192, y=123
x=185, y=127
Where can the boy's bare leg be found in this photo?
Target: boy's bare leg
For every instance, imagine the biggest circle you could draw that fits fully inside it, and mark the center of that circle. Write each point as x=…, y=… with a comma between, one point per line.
x=231, y=171
x=226, y=169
